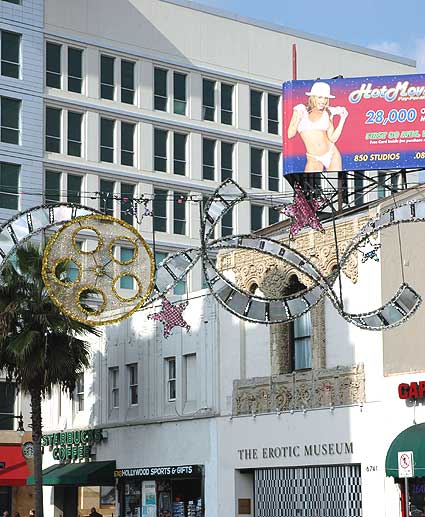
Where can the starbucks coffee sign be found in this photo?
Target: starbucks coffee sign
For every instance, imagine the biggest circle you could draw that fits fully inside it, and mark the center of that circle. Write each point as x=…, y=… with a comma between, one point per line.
x=72, y=445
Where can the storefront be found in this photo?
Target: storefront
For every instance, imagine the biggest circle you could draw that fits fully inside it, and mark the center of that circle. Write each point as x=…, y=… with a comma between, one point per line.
x=79, y=481
x=411, y=439
x=15, y=467
x=173, y=491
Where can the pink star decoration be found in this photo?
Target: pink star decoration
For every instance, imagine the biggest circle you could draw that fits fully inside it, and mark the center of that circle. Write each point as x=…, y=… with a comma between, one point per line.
x=171, y=316
x=303, y=212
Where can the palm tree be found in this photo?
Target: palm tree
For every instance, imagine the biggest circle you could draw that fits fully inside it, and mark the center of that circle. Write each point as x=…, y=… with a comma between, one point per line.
x=40, y=347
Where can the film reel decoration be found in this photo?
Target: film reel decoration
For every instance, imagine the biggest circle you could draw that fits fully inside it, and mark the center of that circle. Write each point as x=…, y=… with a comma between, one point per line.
x=88, y=275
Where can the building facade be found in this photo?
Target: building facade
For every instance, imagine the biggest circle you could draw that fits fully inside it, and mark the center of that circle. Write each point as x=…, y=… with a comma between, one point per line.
x=141, y=109
x=21, y=173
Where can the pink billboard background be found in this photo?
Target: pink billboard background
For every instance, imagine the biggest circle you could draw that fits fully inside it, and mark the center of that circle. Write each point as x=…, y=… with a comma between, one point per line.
x=384, y=128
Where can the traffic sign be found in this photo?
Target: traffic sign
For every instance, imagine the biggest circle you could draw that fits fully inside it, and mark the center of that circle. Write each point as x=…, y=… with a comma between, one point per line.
x=405, y=464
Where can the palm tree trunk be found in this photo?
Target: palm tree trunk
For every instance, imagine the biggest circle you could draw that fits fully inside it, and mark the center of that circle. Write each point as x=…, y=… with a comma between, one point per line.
x=36, y=438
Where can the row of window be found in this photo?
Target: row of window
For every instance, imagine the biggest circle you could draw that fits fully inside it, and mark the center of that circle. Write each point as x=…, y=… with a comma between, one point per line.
x=133, y=384
x=116, y=199
x=170, y=149
x=64, y=70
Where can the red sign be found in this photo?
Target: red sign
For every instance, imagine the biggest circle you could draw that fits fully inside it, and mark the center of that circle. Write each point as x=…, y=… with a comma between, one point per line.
x=414, y=390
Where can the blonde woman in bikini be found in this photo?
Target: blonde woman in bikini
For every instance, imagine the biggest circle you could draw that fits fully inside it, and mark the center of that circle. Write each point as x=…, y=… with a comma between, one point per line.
x=314, y=123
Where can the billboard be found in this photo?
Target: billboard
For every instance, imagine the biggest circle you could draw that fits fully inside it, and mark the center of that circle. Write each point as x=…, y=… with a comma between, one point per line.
x=358, y=123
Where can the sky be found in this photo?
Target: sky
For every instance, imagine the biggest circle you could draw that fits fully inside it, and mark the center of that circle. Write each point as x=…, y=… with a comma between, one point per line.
x=391, y=26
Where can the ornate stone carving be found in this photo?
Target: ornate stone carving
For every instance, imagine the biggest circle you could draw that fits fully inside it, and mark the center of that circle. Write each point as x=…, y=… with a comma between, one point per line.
x=271, y=275
x=300, y=390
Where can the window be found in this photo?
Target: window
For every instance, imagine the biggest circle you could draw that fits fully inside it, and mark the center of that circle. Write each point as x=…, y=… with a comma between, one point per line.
x=191, y=381
x=126, y=255
x=73, y=188
x=107, y=196
x=127, y=81
x=10, y=49
x=179, y=213
x=160, y=89
x=227, y=223
x=273, y=216
x=256, y=100
x=160, y=210
x=226, y=103
x=114, y=390
x=382, y=187
x=7, y=404
x=74, y=133
x=208, y=159
x=179, y=93
x=273, y=114
x=256, y=217
x=17, y=2
x=171, y=378
x=127, y=196
x=133, y=386
x=226, y=161
x=180, y=287
x=301, y=331
x=256, y=168
x=79, y=392
x=52, y=187
x=9, y=120
x=53, y=130
x=53, y=65
x=127, y=143
x=9, y=183
x=358, y=189
x=160, y=150
x=107, y=127
x=107, y=77
x=179, y=163
x=274, y=171
x=75, y=69
x=208, y=99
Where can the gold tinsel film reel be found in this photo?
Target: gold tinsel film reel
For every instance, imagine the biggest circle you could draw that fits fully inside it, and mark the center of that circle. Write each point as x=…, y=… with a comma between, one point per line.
x=98, y=269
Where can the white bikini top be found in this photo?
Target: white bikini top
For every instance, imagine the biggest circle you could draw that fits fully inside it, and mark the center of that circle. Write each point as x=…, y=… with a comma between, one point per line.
x=305, y=123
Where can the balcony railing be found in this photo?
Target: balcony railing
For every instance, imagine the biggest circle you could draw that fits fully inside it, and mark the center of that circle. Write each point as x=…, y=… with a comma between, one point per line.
x=300, y=390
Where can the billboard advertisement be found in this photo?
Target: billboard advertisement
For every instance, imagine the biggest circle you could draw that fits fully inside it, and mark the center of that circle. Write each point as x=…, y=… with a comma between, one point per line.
x=358, y=123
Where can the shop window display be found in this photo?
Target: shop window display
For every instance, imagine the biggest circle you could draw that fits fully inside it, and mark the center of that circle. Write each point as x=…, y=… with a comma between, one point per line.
x=170, y=497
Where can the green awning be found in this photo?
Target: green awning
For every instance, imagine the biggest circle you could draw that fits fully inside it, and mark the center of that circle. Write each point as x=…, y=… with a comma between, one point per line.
x=94, y=473
x=411, y=439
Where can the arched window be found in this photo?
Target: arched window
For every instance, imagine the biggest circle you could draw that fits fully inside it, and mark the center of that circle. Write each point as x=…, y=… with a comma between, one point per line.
x=300, y=332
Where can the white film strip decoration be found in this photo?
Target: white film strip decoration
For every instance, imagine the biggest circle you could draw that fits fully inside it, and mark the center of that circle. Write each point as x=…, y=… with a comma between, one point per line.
x=247, y=306
x=258, y=309
x=24, y=225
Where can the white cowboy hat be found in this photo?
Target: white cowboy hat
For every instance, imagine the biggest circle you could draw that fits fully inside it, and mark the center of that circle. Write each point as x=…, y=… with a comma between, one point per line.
x=321, y=90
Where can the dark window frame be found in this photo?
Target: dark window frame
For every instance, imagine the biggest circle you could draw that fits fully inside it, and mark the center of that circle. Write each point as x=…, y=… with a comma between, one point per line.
x=53, y=138
x=127, y=149
x=9, y=194
x=75, y=80
x=107, y=151
x=7, y=64
x=53, y=75
x=107, y=85
x=74, y=145
x=256, y=117
x=127, y=91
